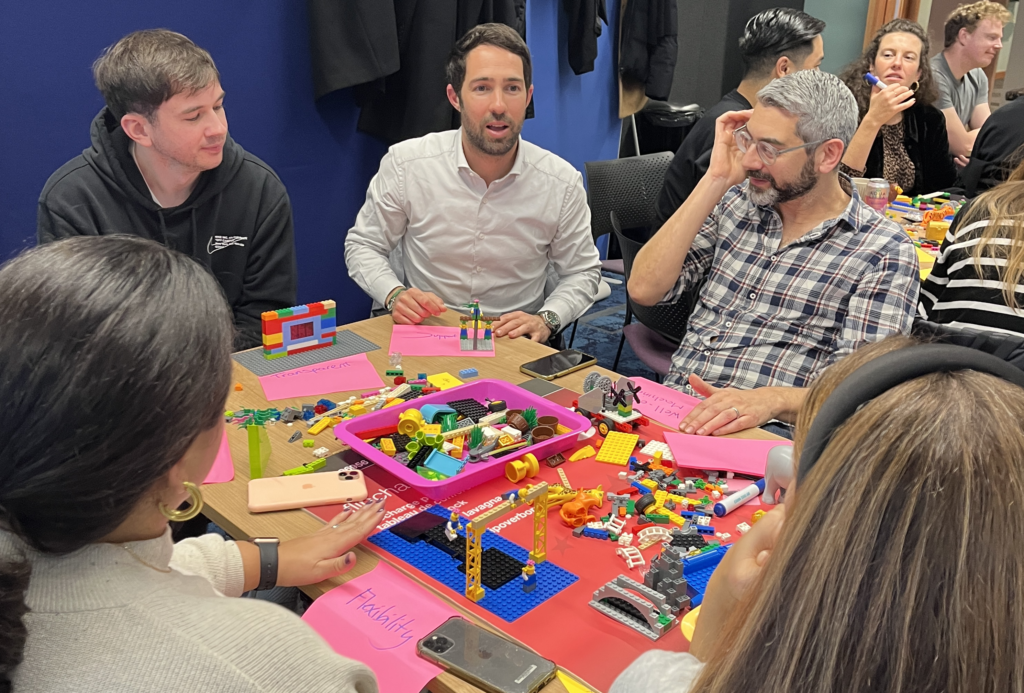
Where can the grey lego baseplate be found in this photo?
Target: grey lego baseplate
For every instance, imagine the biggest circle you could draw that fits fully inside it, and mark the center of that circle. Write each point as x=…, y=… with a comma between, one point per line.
x=346, y=343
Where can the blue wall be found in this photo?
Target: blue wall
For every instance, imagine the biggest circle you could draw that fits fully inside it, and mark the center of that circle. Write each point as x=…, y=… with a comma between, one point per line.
x=261, y=49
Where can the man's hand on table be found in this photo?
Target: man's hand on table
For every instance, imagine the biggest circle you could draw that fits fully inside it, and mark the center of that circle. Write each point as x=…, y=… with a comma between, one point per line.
x=414, y=306
x=728, y=410
x=319, y=556
x=519, y=323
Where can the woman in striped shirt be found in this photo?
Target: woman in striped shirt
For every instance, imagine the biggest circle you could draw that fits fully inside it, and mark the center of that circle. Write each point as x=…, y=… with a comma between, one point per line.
x=978, y=279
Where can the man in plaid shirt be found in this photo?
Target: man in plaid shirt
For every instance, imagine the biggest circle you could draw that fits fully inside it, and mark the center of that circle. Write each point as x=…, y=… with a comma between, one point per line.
x=797, y=270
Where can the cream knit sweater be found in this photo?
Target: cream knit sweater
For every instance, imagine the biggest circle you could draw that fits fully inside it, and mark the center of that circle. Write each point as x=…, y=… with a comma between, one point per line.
x=100, y=620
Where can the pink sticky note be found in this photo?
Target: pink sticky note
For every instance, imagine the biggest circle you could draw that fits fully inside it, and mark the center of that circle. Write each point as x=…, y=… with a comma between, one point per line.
x=428, y=340
x=721, y=454
x=663, y=404
x=339, y=375
x=377, y=618
x=223, y=468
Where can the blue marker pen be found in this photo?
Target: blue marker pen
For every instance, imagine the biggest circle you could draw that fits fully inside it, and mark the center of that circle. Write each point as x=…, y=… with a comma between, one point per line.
x=730, y=503
x=873, y=81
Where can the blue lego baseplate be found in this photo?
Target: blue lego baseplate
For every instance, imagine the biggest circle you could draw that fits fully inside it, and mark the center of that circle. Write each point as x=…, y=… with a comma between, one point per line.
x=509, y=602
x=697, y=571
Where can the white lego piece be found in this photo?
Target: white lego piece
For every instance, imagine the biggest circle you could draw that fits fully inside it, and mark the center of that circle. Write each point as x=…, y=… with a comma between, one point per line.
x=615, y=525
x=321, y=452
x=657, y=446
x=715, y=495
x=587, y=434
x=631, y=555
x=742, y=528
x=626, y=539
x=623, y=475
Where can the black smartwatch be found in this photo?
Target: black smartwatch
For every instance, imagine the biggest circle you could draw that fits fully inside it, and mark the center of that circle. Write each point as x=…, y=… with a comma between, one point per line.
x=268, y=561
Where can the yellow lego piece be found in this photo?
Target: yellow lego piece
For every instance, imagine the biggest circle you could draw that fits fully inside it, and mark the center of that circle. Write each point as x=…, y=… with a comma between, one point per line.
x=387, y=446
x=457, y=450
x=431, y=429
x=409, y=422
x=393, y=402
x=273, y=339
x=565, y=479
x=505, y=441
x=444, y=381
x=561, y=430
x=357, y=410
x=583, y=454
x=320, y=425
x=649, y=484
x=617, y=448
x=328, y=304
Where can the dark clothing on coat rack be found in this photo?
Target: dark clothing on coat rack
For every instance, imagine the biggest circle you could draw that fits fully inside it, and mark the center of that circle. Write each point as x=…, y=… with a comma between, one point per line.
x=394, y=52
x=649, y=45
x=585, y=18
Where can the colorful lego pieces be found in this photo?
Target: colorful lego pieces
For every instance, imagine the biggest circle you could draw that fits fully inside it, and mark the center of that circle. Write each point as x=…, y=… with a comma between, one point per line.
x=298, y=329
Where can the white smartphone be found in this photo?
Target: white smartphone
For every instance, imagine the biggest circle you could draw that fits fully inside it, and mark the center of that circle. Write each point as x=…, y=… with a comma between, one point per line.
x=306, y=490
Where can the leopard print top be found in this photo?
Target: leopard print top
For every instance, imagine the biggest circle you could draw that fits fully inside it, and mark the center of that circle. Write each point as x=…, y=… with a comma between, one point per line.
x=896, y=165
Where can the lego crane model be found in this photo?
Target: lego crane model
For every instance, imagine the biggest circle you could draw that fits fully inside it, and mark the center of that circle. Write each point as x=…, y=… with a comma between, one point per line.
x=537, y=496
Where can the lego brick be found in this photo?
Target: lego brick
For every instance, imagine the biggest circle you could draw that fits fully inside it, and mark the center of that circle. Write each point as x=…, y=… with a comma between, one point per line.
x=469, y=373
x=347, y=343
x=617, y=448
x=443, y=464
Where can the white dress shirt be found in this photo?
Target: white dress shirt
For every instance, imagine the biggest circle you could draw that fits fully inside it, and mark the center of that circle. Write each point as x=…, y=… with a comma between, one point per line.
x=464, y=240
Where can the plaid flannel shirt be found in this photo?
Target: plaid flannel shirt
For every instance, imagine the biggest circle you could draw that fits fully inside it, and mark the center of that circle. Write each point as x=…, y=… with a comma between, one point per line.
x=771, y=316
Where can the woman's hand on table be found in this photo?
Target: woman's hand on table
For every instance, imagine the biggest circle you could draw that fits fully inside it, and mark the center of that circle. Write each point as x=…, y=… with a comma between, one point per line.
x=740, y=569
x=327, y=552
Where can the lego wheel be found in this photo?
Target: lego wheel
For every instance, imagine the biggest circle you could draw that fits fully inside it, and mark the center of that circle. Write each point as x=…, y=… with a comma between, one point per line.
x=644, y=503
x=603, y=429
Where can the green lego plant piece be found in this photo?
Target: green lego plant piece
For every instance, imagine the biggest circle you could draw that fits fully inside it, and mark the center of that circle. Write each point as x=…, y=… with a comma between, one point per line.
x=476, y=437
x=531, y=417
x=259, y=450
x=448, y=422
x=699, y=483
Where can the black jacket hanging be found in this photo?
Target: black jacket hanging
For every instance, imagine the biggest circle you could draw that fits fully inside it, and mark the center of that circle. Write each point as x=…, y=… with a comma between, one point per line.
x=585, y=18
x=649, y=45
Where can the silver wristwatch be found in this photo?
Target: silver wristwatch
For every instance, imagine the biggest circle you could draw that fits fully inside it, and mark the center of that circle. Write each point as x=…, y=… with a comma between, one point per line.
x=551, y=319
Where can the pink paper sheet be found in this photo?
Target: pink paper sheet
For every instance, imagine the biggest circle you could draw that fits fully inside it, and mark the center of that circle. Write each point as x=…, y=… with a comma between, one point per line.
x=722, y=454
x=663, y=404
x=377, y=618
x=223, y=468
x=340, y=375
x=427, y=340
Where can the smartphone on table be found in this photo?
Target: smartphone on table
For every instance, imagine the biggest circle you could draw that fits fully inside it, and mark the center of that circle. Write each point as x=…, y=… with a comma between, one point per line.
x=485, y=659
x=347, y=485
x=558, y=364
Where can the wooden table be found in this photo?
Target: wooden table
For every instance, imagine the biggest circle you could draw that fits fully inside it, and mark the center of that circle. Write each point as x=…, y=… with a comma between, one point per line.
x=226, y=504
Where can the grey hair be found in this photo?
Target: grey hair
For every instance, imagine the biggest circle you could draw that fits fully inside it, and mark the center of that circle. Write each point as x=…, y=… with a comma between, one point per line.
x=823, y=104
x=145, y=68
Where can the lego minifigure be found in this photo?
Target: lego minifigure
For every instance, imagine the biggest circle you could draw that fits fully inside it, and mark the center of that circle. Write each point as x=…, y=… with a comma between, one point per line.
x=529, y=576
x=452, y=528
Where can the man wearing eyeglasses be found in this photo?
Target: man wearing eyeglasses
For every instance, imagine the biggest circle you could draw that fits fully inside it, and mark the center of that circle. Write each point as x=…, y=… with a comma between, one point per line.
x=797, y=270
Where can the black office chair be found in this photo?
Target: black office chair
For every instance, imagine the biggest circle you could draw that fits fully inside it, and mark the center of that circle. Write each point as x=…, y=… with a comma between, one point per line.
x=660, y=329
x=1009, y=348
x=628, y=186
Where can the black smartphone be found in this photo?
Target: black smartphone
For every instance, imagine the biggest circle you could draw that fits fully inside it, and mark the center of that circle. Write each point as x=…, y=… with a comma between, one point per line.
x=557, y=365
x=485, y=659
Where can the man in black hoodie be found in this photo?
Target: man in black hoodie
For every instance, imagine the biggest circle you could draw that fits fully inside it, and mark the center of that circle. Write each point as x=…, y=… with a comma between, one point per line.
x=162, y=166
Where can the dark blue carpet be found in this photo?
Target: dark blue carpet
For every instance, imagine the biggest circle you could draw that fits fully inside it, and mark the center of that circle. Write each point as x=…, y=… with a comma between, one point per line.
x=600, y=330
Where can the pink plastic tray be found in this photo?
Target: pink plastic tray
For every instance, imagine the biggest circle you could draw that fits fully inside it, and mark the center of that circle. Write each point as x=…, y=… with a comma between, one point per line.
x=473, y=474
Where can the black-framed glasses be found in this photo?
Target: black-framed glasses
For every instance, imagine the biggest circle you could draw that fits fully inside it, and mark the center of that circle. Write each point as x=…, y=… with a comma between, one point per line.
x=765, y=151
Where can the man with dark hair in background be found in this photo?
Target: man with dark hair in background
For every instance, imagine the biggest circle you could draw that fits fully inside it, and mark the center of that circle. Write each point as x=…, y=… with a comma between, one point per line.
x=162, y=166
x=480, y=213
x=775, y=43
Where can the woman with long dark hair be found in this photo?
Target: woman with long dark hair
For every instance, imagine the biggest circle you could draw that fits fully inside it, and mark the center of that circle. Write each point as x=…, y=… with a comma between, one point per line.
x=114, y=369
x=902, y=136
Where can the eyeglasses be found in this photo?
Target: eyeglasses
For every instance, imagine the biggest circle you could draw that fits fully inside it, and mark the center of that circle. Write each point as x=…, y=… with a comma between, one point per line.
x=765, y=151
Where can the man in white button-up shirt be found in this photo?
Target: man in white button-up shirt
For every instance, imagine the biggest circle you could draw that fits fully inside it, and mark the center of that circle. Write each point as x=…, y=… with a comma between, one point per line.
x=479, y=213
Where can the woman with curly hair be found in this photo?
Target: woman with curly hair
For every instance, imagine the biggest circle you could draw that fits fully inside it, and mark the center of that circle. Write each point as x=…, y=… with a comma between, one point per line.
x=902, y=136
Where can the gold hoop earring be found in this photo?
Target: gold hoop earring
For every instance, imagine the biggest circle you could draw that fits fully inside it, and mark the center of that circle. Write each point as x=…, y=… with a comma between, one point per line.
x=915, y=86
x=182, y=515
